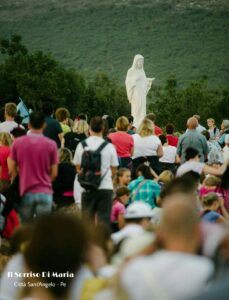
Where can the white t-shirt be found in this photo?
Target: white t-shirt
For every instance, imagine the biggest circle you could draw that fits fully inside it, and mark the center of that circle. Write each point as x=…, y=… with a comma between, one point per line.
x=7, y=126
x=169, y=155
x=166, y=275
x=108, y=159
x=188, y=166
x=127, y=231
x=225, y=152
x=145, y=146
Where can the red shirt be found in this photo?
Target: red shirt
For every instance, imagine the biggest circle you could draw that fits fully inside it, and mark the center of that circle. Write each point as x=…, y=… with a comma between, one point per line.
x=157, y=130
x=4, y=154
x=172, y=140
x=123, y=143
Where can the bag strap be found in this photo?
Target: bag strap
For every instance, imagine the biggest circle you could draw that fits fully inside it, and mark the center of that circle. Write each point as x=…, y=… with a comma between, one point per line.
x=84, y=144
x=102, y=146
x=138, y=189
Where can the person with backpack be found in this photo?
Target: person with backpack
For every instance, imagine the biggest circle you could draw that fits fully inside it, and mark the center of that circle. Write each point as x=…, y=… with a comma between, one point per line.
x=96, y=162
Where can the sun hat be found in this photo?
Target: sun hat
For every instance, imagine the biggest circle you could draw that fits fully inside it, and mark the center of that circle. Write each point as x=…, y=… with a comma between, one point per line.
x=138, y=210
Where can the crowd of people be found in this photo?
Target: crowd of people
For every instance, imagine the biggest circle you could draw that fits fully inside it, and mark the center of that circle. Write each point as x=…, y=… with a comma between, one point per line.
x=104, y=210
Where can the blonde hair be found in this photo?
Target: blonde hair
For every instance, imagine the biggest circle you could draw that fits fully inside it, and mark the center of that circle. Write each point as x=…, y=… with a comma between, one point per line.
x=122, y=123
x=212, y=181
x=81, y=126
x=166, y=177
x=146, y=128
x=5, y=138
x=211, y=120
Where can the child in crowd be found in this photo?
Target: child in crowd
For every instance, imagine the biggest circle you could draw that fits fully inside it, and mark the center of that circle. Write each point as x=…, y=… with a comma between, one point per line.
x=165, y=177
x=144, y=188
x=5, y=142
x=210, y=184
x=122, y=177
x=118, y=208
x=214, y=210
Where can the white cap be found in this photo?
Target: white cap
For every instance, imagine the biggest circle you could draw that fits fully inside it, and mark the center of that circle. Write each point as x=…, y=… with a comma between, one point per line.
x=138, y=210
x=226, y=138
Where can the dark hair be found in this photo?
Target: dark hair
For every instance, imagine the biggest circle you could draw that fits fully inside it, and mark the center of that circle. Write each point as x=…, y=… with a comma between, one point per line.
x=47, y=108
x=163, y=139
x=37, y=119
x=2, y=114
x=169, y=128
x=82, y=117
x=96, y=124
x=122, y=190
x=191, y=153
x=18, y=131
x=18, y=119
x=192, y=175
x=58, y=245
x=130, y=119
x=184, y=184
x=206, y=134
x=21, y=235
x=110, y=122
x=145, y=170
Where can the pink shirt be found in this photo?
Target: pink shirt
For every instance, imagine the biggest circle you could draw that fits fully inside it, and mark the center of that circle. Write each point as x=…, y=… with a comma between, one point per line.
x=4, y=154
x=123, y=143
x=117, y=209
x=34, y=155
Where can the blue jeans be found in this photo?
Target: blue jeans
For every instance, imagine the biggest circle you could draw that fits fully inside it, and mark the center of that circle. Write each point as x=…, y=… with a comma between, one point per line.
x=34, y=204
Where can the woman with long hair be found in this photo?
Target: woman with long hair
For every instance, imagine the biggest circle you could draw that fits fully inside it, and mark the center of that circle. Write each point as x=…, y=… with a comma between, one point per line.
x=147, y=146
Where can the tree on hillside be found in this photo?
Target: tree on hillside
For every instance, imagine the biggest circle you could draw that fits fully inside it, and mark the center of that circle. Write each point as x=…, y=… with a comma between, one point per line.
x=171, y=104
x=37, y=77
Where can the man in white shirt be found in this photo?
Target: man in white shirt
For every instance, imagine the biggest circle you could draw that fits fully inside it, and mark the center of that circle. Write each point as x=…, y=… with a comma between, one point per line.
x=10, y=113
x=193, y=164
x=98, y=202
x=199, y=128
x=174, y=273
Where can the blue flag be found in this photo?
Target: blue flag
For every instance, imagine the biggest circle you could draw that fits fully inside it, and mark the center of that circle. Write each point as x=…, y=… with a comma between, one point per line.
x=23, y=111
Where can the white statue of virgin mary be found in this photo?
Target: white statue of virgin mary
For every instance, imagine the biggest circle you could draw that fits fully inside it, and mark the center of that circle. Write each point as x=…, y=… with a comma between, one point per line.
x=137, y=87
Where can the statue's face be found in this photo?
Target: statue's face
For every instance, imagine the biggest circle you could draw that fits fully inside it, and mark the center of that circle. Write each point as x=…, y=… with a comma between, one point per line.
x=140, y=63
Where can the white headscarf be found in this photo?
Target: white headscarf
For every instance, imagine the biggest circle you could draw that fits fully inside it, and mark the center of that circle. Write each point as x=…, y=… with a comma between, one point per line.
x=132, y=75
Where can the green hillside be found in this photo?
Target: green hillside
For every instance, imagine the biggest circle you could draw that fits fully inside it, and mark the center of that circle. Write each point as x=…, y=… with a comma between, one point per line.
x=188, y=38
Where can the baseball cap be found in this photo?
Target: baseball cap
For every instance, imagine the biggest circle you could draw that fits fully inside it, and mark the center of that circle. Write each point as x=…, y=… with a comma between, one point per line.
x=138, y=210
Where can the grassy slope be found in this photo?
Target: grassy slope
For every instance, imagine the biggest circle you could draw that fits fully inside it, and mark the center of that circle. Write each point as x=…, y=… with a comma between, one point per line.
x=188, y=40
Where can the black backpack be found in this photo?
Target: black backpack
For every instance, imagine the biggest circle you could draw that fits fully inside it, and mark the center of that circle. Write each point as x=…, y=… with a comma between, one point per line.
x=71, y=141
x=89, y=176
